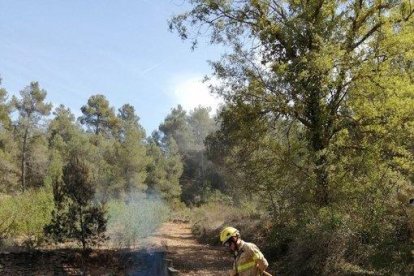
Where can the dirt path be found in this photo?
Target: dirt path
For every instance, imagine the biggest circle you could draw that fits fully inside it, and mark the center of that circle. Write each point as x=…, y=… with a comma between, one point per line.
x=187, y=255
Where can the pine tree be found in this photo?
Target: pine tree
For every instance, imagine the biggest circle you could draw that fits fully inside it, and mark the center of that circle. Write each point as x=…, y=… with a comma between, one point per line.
x=98, y=116
x=164, y=170
x=8, y=148
x=189, y=131
x=131, y=153
x=32, y=109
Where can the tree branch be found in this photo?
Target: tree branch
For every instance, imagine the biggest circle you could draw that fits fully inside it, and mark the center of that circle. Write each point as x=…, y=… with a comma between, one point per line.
x=367, y=35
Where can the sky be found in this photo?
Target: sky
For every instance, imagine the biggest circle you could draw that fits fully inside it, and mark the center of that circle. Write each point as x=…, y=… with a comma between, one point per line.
x=121, y=49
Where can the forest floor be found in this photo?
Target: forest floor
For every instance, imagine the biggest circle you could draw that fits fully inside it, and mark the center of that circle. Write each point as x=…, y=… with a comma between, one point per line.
x=173, y=242
x=187, y=255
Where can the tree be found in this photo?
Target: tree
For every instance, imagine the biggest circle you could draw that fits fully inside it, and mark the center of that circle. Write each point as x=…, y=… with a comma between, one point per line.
x=73, y=173
x=174, y=168
x=202, y=173
x=62, y=132
x=8, y=150
x=5, y=109
x=31, y=108
x=100, y=119
x=318, y=117
x=303, y=61
x=98, y=116
x=76, y=216
x=176, y=125
x=201, y=125
x=190, y=131
x=131, y=151
x=164, y=170
x=37, y=160
x=63, y=124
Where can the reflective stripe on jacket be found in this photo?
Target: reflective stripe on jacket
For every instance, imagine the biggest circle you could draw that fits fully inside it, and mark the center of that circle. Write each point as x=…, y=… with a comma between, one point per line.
x=247, y=259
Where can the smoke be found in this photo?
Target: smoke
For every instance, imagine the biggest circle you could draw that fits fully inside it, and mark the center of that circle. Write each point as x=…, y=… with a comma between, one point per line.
x=133, y=219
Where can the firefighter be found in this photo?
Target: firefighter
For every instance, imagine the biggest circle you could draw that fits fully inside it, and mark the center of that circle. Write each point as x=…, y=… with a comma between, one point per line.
x=248, y=260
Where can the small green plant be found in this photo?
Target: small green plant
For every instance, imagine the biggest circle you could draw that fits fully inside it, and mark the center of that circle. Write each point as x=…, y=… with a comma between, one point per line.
x=23, y=216
x=135, y=219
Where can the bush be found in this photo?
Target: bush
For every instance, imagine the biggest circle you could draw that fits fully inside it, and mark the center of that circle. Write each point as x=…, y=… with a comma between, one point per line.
x=135, y=219
x=23, y=216
x=210, y=218
x=180, y=212
x=76, y=216
x=329, y=241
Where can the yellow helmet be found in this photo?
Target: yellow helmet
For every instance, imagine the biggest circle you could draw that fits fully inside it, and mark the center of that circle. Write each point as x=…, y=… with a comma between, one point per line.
x=227, y=233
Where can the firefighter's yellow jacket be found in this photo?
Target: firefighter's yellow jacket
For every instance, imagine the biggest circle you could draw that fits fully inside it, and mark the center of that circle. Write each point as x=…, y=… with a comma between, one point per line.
x=249, y=261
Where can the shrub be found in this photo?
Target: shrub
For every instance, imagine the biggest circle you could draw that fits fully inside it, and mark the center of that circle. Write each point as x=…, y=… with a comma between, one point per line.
x=23, y=216
x=210, y=218
x=76, y=215
x=135, y=219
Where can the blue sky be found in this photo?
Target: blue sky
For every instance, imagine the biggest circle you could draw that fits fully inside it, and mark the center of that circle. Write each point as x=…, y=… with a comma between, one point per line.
x=121, y=49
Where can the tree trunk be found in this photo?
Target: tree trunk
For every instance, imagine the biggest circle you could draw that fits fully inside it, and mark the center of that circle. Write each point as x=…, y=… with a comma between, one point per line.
x=318, y=144
x=322, y=194
x=98, y=124
x=82, y=237
x=23, y=164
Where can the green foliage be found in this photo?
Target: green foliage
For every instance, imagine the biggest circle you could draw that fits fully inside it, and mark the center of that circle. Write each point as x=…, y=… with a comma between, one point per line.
x=37, y=157
x=106, y=173
x=305, y=62
x=76, y=216
x=201, y=125
x=63, y=125
x=117, y=148
x=210, y=218
x=9, y=171
x=31, y=106
x=23, y=216
x=135, y=219
x=175, y=125
x=109, y=161
x=164, y=171
x=98, y=116
x=189, y=132
x=32, y=109
x=131, y=154
x=5, y=109
x=319, y=121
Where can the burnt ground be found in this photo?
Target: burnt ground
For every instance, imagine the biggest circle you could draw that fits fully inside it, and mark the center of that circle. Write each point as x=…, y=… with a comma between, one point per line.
x=73, y=262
